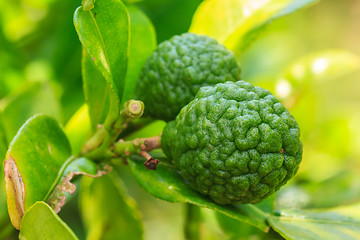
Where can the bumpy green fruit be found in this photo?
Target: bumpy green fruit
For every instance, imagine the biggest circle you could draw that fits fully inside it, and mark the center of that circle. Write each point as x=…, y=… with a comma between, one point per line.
x=234, y=142
x=177, y=69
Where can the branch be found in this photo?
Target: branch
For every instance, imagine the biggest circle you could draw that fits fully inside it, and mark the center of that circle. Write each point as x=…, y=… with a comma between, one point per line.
x=126, y=148
x=139, y=146
x=97, y=146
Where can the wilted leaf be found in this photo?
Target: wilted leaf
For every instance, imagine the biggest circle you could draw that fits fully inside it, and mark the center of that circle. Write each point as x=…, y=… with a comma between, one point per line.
x=34, y=164
x=79, y=166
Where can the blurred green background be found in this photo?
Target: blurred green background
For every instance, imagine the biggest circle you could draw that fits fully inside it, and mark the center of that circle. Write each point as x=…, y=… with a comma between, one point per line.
x=309, y=59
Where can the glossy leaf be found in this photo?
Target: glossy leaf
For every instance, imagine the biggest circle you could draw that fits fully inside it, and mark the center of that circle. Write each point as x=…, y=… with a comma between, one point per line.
x=41, y=223
x=34, y=164
x=96, y=91
x=104, y=33
x=34, y=98
x=166, y=183
x=337, y=223
x=142, y=44
x=236, y=23
x=77, y=129
x=107, y=212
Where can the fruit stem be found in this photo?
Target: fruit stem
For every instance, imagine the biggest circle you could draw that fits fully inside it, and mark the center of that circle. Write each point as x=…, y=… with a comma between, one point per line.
x=126, y=148
x=139, y=146
x=97, y=147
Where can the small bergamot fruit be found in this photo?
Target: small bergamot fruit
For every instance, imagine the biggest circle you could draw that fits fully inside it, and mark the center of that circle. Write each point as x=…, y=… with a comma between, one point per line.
x=176, y=70
x=234, y=142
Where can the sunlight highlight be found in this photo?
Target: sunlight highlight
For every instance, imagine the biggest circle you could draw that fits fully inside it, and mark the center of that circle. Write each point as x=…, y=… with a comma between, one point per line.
x=320, y=65
x=283, y=88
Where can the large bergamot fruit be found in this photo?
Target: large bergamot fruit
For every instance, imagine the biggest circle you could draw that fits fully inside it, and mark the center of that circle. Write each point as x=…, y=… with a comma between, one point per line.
x=177, y=69
x=234, y=142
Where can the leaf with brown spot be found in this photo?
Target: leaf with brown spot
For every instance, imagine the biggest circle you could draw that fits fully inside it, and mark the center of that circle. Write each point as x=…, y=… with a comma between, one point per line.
x=34, y=163
x=80, y=166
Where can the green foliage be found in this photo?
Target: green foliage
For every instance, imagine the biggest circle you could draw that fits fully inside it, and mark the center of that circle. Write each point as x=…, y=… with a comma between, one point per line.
x=106, y=210
x=338, y=223
x=172, y=188
x=77, y=129
x=95, y=90
x=142, y=43
x=32, y=99
x=34, y=164
x=41, y=222
x=41, y=91
x=238, y=23
x=101, y=30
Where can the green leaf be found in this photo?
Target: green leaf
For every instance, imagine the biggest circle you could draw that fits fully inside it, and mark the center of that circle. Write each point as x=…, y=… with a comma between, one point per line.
x=337, y=223
x=104, y=32
x=166, y=183
x=142, y=44
x=32, y=99
x=325, y=193
x=96, y=91
x=77, y=129
x=82, y=166
x=41, y=223
x=238, y=230
x=107, y=212
x=237, y=23
x=34, y=164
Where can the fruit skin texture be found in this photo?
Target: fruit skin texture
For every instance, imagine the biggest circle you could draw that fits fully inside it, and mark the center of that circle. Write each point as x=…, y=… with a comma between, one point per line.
x=177, y=69
x=234, y=142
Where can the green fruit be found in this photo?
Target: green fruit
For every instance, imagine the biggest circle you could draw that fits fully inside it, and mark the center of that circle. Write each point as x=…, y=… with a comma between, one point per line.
x=234, y=142
x=177, y=69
